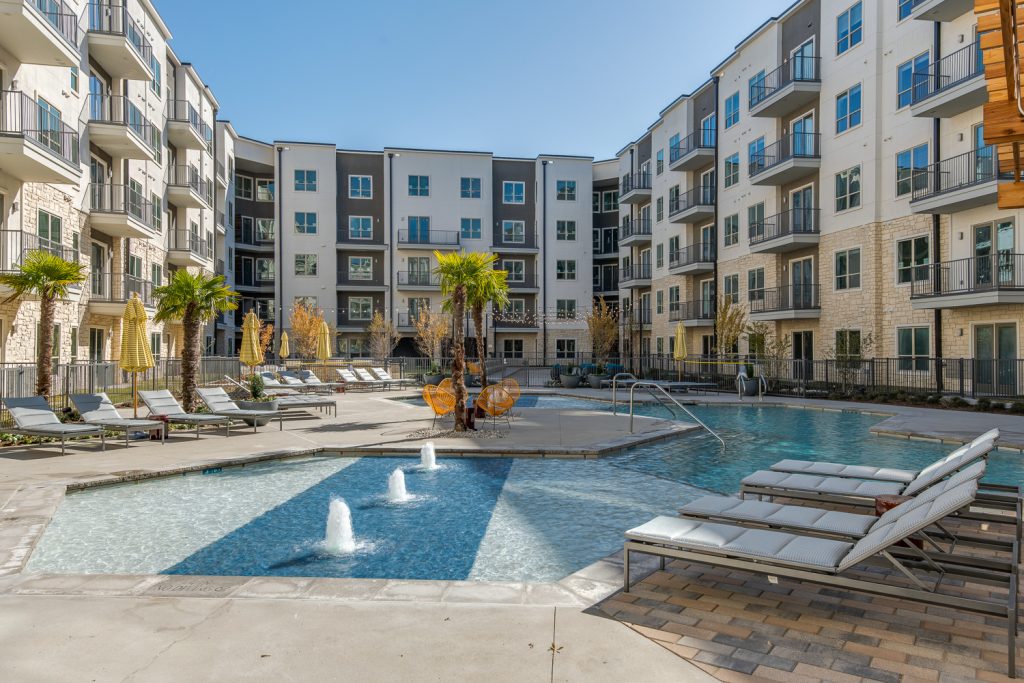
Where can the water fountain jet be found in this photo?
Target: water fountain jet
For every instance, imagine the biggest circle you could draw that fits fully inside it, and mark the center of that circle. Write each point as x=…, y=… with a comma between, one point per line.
x=428, y=456
x=396, y=487
x=338, y=538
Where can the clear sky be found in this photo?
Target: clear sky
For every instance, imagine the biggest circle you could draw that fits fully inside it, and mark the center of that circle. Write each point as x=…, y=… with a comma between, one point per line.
x=521, y=78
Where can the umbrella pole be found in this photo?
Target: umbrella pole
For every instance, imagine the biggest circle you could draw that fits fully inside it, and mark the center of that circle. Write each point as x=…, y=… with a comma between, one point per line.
x=135, y=393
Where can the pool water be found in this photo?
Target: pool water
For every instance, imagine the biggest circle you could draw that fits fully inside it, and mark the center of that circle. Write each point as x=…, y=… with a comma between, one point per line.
x=498, y=519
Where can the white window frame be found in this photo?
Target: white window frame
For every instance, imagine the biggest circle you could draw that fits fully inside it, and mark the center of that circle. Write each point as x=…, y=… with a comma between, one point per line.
x=505, y=184
x=422, y=183
x=850, y=30
x=476, y=234
x=353, y=236
x=360, y=178
x=565, y=190
x=305, y=184
x=849, y=273
x=562, y=268
x=520, y=269
x=307, y=260
x=513, y=223
x=476, y=193
x=562, y=232
x=361, y=300
x=305, y=224
x=848, y=197
x=266, y=183
x=367, y=272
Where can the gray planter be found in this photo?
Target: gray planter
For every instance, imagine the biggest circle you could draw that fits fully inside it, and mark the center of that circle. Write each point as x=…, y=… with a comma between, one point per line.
x=265, y=406
x=570, y=381
x=749, y=386
x=595, y=380
x=432, y=379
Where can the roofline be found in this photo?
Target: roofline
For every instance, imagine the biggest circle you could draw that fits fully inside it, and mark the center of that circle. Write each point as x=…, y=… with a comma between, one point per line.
x=258, y=142
x=750, y=36
x=302, y=142
x=437, y=151
x=148, y=6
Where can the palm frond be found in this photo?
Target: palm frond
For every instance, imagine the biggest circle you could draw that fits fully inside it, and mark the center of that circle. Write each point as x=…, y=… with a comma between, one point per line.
x=43, y=274
x=201, y=295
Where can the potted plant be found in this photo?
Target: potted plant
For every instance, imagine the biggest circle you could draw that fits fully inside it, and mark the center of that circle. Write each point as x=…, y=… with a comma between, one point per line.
x=599, y=374
x=569, y=377
x=749, y=380
x=258, y=400
x=433, y=375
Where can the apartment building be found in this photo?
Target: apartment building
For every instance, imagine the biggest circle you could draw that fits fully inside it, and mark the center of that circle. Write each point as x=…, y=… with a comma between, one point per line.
x=107, y=158
x=832, y=177
x=606, y=231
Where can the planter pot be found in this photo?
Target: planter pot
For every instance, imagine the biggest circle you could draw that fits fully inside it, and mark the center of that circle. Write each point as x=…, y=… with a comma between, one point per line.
x=595, y=380
x=570, y=381
x=749, y=387
x=432, y=379
x=266, y=406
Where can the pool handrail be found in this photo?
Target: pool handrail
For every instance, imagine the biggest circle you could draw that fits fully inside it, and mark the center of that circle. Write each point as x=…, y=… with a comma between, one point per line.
x=615, y=381
x=655, y=385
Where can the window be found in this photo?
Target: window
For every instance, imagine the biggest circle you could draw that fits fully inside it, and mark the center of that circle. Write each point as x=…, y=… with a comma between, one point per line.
x=471, y=228
x=158, y=212
x=659, y=164
x=912, y=344
x=243, y=187
x=360, y=227
x=848, y=109
x=565, y=231
x=565, y=348
x=305, y=223
x=849, y=28
x=610, y=201
x=756, y=91
x=659, y=258
x=360, y=308
x=49, y=229
x=265, y=270
x=755, y=284
x=732, y=170
x=360, y=187
x=513, y=232
x=134, y=266
x=848, y=344
x=516, y=269
x=264, y=190
x=732, y=110
x=307, y=301
x=596, y=199
x=659, y=301
x=912, y=80
x=419, y=229
x=847, y=269
x=74, y=79
x=565, y=190
x=755, y=221
x=731, y=287
x=565, y=269
x=264, y=229
x=905, y=7
x=659, y=212
x=360, y=268
x=912, y=259
x=673, y=246
x=848, y=189
x=469, y=188
x=305, y=181
x=154, y=85
x=912, y=170
x=419, y=186
x=565, y=309
x=731, y=231
x=305, y=264
x=512, y=348
x=156, y=274
x=513, y=192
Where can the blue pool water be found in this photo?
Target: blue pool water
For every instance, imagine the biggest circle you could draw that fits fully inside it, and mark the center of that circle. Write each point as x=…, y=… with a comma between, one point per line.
x=482, y=519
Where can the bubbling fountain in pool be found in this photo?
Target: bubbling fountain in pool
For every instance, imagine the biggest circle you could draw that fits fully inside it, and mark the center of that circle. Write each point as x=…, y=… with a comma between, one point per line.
x=396, y=487
x=338, y=538
x=427, y=456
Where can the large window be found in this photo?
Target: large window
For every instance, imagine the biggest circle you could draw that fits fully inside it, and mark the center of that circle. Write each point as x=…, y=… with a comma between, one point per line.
x=565, y=348
x=596, y=199
x=755, y=220
x=731, y=287
x=755, y=87
x=731, y=229
x=848, y=344
x=912, y=80
x=848, y=109
x=512, y=348
x=755, y=155
x=912, y=344
x=610, y=201
x=912, y=258
x=360, y=187
x=305, y=264
x=264, y=190
x=732, y=110
x=565, y=190
x=513, y=232
x=469, y=188
x=565, y=309
x=565, y=269
x=905, y=7
x=513, y=192
x=305, y=180
x=419, y=186
x=755, y=284
x=305, y=222
x=264, y=270
x=565, y=231
x=912, y=170
x=360, y=268
x=849, y=28
x=243, y=186
x=49, y=229
x=732, y=169
x=848, y=189
x=659, y=211
x=847, y=269
x=360, y=308
x=471, y=229
x=516, y=269
x=360, y=227
x=659, y=165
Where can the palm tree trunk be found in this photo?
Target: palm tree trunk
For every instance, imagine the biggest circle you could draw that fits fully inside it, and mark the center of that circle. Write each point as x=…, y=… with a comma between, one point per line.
x=481, y=343
x=44, y=362
x=459, y=357
x=189, y=361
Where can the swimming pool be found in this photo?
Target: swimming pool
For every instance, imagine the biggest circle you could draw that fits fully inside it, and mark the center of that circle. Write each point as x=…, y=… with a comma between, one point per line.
x=499, y=519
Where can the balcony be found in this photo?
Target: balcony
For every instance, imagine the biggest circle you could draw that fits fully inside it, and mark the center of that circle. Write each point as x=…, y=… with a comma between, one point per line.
x=109, y=292
x=791, y=302
x=40, y=32
x=693, y=206
x=697, y=313
x=222, y=176
x=940, y=10
x=360, y=281
x=635, y=317
x=526, y=243
x=118, y=43
x=794, y=84
x=347, y=324
x=345, y=240
x=607, y=282
x=515, y=321
x=635, y=277
x=527, y=282
x=692, y=260
x=793, y=157
x=634, y=231
x=185, y=128
x=185, y=188
x=35, y=146
x=635, y=188
x=977, y=281
x=428, y=239
x=957, y=184
x=189, y=249
x=786, y=231
x=118, y=127
x=14, y=244
x=950, y=86
x=121, y=211
x=262, y=282
x=694, y=151
x=418, y=280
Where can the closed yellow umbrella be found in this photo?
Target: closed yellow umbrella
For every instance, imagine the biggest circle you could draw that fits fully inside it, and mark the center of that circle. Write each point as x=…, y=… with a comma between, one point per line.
x=323, y=342
x=679, y=353
x=251, y=352
x=136, y=356
x=284, y=351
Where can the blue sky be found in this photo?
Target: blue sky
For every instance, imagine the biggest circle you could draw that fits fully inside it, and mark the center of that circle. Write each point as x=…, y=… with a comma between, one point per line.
x=523, y=78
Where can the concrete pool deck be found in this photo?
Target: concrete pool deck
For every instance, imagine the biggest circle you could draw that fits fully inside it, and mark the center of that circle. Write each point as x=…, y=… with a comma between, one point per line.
x=59, y=627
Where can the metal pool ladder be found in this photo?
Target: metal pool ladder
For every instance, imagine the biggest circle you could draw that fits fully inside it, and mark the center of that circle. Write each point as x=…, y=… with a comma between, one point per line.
x=650, y=387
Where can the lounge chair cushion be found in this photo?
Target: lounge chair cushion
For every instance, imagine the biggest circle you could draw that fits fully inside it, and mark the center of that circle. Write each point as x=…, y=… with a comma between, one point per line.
x=290, y=380
x=30, y=412
x=816, y=484
x=958, y=459
x=972, y=473
x=832, y=469
x=785, y=548
x=98, y=409
x=795, y=516
x=61, y=429
x=217, y=400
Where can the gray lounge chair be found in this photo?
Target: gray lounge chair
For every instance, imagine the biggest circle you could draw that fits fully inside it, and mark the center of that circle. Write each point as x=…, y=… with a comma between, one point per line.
x=98, y=409
x=364, y=376
x=273, y=386
x=309, y=379
x=219, y=403
x=353, y=382
x=163, y=403
x=385, y=376
x=33, y=417
x=298, y=401
x=828, y=561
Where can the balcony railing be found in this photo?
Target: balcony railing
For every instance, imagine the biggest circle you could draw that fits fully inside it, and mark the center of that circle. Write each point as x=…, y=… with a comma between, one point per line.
x=788, y=298
x=798, y=69
x=698, y=196
x=418, y=279
x=105, y=198
x=182, y=110
x=438, y=237
x=791, y=222
x=14, y=244
x=699, y=309
x=525, y=281
x=962, y=65
x=957, y=173
x=345, y=321
x=792, y=146
x=110, y=18
x=359, y=278
x=120, y=110
x=702, y=252
x=702, y=139
x=635, y=316
x=21, y=115
x=607, y=281
x=634, y=181
x=191, y=242
x=220, y=169
x=109, y=286
x=979, y=274
x=634, y=227
x=639, y=271
x=189, y=176
x=63, y=19
x=528, y=240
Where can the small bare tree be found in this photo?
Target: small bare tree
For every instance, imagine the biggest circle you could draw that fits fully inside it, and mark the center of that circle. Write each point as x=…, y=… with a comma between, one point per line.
x=382, y=335
x=431, y=331
x=848, y=355
x=771, y=350
x=604, y=331
x=305, y=328
x=266, y=336
x=730, y=323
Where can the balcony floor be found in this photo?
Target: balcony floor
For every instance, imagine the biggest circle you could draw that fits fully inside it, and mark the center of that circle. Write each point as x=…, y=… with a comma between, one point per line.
x=786, y=243
x=26, y=161
x=31, y=39
x=786, y=99
x=788, y=314
x=942, y=10
x=994, y=297
x=694, y=159
x=183, y=135
x=954, y=99
x=117, y=57
x=120, y=141
x=965, y=198
x=787, y=171
x=120, y=225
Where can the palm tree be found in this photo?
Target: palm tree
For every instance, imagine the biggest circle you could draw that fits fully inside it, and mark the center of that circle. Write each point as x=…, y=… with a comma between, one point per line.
x=194, y=300
x=491, y=287
x=458, y=271
x=49, y=277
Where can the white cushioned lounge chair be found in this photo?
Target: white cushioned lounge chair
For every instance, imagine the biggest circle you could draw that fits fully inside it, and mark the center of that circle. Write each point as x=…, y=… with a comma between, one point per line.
x=353, y=382
x=161, y=402
x=385, y=376
x=33, y=417
x=219, y=403
x=98, y=409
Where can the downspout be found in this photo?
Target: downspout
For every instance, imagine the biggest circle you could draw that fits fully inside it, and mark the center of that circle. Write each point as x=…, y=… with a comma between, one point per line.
x=544, y=257
x=278, y=249
x=714, y=287
x=936, y=222
x=215, y=192
x=633, y=350
x=391, y=234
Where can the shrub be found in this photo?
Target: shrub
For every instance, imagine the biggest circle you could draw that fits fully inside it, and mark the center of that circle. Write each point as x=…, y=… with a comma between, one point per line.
x=933, y=399
x=984, y=404
x=956, y=402
x=1017, y=407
